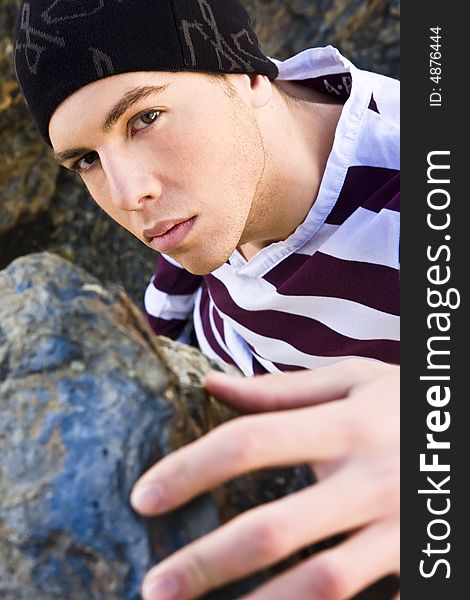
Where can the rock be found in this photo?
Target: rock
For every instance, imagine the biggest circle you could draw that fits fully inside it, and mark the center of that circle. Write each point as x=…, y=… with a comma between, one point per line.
x=368, y=33
x=90, y=398
x=27, y=170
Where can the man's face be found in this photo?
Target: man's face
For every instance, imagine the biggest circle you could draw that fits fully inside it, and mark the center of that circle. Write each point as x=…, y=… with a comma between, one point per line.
x=178, y=163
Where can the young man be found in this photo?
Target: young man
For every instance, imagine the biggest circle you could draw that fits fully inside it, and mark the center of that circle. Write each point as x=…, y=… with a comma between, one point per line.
x=275, y=210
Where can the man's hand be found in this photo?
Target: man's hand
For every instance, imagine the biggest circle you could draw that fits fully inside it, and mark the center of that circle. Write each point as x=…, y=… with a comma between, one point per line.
x=344, y=421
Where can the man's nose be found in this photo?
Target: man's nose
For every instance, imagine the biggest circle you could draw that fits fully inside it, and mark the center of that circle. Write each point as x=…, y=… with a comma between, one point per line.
x=131, y=184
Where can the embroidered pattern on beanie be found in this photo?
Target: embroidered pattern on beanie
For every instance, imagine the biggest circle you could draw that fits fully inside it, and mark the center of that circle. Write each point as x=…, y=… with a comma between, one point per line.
x=32, y=50
x=221, y=47
x=61, y=10
x=103, y=63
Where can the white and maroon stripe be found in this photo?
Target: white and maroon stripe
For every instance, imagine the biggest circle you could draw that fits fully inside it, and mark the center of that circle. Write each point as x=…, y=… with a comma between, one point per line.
x=312, y=325
x=170, y=297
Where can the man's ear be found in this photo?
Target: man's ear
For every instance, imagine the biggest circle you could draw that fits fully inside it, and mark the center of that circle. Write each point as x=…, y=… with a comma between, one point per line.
x=261, y=90
x=256, y=90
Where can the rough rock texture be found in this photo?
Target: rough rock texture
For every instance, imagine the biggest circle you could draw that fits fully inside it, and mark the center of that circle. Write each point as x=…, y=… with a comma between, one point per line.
x=27, y=171
x=89, y=399
x=366, y=31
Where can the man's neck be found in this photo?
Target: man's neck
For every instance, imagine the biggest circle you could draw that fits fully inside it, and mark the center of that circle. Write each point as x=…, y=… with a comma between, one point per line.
x=298, y=137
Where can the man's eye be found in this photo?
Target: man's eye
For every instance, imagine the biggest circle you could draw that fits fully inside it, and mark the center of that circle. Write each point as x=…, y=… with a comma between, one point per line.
x=84, y=163
x=143, y=121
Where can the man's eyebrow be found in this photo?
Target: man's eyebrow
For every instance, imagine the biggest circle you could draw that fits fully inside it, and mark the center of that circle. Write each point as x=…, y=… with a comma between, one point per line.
x=130, y=98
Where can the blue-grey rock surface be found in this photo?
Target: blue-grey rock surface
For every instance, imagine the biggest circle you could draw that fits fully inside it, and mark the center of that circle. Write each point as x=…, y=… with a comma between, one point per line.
x=89, y=399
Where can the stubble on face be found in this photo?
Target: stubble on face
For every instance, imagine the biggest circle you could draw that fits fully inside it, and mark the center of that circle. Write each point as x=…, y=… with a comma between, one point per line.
x=242, y=206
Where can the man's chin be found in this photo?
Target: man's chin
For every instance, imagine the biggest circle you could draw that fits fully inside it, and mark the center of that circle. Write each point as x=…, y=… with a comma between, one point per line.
x=203, y=269
x=200, y=265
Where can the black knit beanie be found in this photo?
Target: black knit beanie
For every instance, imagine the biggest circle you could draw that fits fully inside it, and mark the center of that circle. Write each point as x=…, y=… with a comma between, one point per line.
x=63, y=45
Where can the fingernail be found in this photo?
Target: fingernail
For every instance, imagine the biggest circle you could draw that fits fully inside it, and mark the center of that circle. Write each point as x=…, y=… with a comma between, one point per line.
x=161, y=588
x=146, y=498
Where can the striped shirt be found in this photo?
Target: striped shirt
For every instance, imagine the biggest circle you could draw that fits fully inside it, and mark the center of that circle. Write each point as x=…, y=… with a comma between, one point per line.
x=331, y=290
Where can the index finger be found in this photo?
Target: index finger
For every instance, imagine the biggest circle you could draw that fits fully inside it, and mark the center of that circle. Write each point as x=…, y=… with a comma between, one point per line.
x=244, y=444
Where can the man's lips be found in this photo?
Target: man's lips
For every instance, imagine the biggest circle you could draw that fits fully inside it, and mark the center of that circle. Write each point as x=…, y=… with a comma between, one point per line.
x=161, y=228
x=168, y=235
